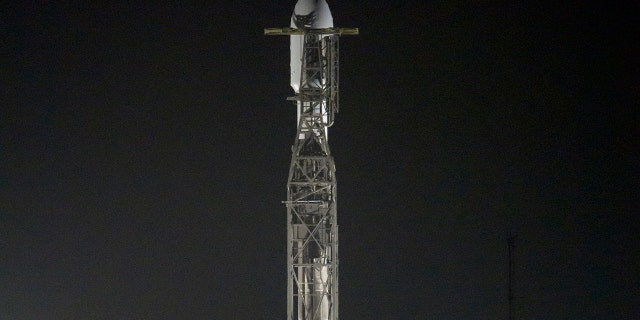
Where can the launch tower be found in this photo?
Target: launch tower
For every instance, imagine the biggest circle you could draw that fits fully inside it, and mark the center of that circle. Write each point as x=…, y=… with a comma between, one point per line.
x=312, y=228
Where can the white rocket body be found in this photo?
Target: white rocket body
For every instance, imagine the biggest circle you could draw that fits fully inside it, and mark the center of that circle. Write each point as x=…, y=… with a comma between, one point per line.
x=313, y=14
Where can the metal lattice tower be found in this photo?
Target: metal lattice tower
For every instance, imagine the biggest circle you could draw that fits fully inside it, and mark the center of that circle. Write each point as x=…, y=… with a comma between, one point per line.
x=312, y=228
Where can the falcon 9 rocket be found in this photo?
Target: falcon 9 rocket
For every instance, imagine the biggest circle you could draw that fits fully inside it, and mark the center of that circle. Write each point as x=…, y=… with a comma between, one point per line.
x=312, y=229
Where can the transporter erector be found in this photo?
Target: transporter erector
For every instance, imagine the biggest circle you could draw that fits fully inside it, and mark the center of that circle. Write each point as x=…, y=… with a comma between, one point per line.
x=312, y=229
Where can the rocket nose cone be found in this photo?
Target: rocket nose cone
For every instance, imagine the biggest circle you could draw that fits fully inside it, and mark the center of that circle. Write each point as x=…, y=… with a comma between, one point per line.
x=305, y=7
x=312, y=14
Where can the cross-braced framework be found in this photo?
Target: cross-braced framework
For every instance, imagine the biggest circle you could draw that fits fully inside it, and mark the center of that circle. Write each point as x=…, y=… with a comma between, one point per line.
x=312, y=228
x=311, y=202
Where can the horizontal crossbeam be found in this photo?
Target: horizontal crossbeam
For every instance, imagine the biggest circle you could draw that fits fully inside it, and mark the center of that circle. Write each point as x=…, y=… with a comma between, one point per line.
x=286, y=31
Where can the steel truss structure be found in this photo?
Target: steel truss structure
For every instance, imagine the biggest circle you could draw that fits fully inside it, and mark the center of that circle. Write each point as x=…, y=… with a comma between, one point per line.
x=312, y=228
x=312, y=233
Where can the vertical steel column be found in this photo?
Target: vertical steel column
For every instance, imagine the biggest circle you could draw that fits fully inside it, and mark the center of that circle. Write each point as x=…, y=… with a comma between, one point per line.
x=312, y=230
x=312, y=225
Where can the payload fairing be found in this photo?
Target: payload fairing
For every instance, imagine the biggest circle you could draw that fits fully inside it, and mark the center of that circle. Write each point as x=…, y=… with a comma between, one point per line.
x=312, y=229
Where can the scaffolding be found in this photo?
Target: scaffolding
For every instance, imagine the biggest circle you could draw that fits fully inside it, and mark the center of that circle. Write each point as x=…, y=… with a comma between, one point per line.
x=312, y=228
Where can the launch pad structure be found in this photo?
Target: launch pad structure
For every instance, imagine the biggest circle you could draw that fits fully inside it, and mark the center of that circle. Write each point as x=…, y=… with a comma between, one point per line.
x=312, y=228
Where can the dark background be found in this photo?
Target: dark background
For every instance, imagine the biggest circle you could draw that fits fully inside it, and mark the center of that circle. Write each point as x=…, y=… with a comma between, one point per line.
x=144, y=153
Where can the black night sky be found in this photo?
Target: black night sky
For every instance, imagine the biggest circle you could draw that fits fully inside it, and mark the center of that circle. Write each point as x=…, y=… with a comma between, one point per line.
x=144, y=153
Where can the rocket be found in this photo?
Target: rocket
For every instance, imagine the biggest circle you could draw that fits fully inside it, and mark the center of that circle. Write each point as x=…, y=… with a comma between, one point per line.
x=307, y=14
x=312, y=231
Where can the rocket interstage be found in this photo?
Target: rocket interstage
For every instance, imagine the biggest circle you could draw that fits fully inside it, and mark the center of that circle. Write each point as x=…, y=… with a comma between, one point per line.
x=312, y=228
